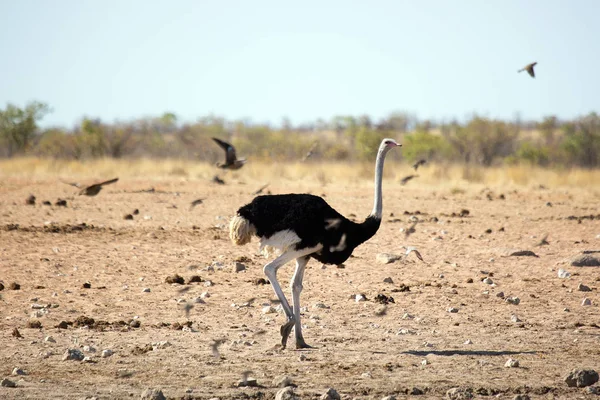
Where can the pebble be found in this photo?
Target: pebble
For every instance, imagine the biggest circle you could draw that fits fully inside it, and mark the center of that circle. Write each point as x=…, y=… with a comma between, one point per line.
x=468, y=341
x=107, y=353
x=513, y=300
x=514, y=318
x=283, y=381
x=386, y=258
x=500, y=294
x=205, y=295
x=488, y=281
x=268, y=310
x=73, y=354
x=586, y=302
x=89, y=349
x=7, y=383
x=146, y=290
x=18, y=371
x=359, y=298
x=563, y=274
x=330, y=394
x=452, y=310
x=302, y=357
x=239, y=267
x=459, y=393
x=583, y=288
x=320, y=305
x=153, y=394
x=161, y=345
x=511, y=363
x=388, y=280
x=208, y=283
x=49, y=339
x=287, y=393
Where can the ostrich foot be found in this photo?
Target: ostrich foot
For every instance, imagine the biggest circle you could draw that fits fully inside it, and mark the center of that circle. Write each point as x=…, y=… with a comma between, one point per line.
x=285, y=331
x=301, y=344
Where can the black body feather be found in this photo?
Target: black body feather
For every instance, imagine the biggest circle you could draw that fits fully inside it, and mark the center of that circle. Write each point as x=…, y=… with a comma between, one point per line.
x=313, y=220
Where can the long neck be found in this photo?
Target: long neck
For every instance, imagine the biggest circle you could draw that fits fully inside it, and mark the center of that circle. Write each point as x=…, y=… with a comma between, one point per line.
x=377, y=202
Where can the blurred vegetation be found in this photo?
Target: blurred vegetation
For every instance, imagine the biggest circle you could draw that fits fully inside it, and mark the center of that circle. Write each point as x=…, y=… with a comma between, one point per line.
x=478, y=141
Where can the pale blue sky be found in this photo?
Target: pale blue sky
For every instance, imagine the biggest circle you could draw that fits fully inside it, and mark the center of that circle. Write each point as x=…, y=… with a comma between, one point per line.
x=124, y=59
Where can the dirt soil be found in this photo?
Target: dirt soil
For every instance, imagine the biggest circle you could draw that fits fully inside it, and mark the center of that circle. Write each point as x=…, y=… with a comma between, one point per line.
x=87, y=266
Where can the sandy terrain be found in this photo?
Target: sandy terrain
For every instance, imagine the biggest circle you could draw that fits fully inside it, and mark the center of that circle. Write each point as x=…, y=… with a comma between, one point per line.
x=357, y=352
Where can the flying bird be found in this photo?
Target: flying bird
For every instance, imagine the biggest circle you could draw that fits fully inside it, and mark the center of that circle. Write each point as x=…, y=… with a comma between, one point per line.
x=231, y=161
x=304, y=226
x=91, y=190
x=404, y=180
x=529, y=69
x=419, y=163
x=195, y=203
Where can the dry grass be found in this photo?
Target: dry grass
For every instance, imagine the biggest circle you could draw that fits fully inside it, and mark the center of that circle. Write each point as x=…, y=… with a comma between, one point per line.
x=439, y=175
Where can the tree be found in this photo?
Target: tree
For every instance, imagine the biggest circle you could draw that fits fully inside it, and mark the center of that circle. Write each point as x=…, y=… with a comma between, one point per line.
x=18, y=127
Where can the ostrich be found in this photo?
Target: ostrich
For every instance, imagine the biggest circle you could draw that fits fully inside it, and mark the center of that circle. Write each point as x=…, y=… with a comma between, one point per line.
x=529, y=69
x=231, y=161
x=302, y=226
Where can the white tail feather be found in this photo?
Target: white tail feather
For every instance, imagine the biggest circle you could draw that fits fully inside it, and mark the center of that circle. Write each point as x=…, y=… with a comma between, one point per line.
x=241, y=230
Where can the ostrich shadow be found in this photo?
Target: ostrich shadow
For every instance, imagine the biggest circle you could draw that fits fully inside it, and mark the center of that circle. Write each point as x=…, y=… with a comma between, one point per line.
x=423, y=353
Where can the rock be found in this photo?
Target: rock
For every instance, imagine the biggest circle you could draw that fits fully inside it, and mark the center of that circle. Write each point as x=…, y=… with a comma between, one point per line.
x=584, y=288
x=175, y=279
x=107, y=353
x=585, y=260
x=49, y=339
x=89, y=349
x=513, y=300
x=586, y=302
x=386, y=258
x=7, y=383
x=330, y=394
x=415, y=391
x=161, y=345
x=18, y=371
x=458, y=393
x=360, y=297
x=452, y=310
x=593, y=390
x=511, y=363
x=522, y=397
x=153, y=394
x=563, y=274
x=392, y=397
x=287, y=393
x=283, y=381
x=487, y=281
x=73, y=354
x=268, y=310
x=320, y=305
x=469, y=280
x=34, y=324
x=514, y=318
x=204, y=295
x=238, y=267
x=500, y=294
x=14, y=286
x=388, y=280
x=146, y=290
x=581, y=378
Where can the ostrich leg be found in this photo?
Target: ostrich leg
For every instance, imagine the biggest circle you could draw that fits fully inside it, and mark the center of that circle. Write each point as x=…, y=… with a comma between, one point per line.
x=296, y=285
x=270, y=271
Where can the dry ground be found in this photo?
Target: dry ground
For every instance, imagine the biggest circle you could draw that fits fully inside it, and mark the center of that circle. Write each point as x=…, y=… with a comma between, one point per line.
x=359, y=353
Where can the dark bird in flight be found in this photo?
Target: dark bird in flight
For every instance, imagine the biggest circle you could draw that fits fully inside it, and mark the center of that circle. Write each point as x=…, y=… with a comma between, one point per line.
x=419, y=163
x=404, y=180
x=91, y=190
x=529, y=69
x=231, y=161
x=195, y=203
